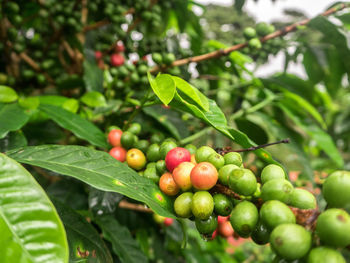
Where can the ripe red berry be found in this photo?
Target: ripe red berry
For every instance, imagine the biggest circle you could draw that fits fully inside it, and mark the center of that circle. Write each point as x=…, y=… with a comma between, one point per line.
x=176, y=156
x=114, y=137
x=119, y=47
x=215, y=233
x=225, y=229
x=168, y=221
x=204, y=176
x=222, y=219
x=182, y=175
x=118, y=153
x=117, y=60
x=98, y=55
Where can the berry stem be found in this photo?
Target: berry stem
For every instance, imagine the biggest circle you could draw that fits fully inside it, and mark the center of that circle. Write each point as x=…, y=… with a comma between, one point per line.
x=227, y=51
x=225, y=150
x=136, y=207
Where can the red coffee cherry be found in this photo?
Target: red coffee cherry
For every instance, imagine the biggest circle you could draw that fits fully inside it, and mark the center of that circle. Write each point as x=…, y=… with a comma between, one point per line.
x=114, y=137
x=118, y=153
x=117, y=60
x=204, y=176
x=176, y=156
x=168, y=185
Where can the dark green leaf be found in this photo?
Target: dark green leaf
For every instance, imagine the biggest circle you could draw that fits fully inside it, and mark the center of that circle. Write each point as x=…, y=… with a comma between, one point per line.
x=124, y=245
x=334, y=35
x=82, y=237
x=94, y=99
x=79, y=126
x=12, y=141
x=101, y=202
x=31, y=230
x=163, y=86
x=93, y=76
x=97, y=169
x=7, y=94
x=323, y=140
x=12, y=118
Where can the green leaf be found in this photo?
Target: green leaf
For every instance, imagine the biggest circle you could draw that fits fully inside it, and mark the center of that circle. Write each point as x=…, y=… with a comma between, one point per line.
x=30, y=103
x=323, y=140
x=31, y=230
x=97, y=169
x=52, y=100
x=163, y=120
x=301, y=104
x=123, y=244
x=82, y=236
x=71, y=105
x=12, y=141
x=333, y=35
x=12, y=118
x=79, y=126
x=163, y=86
x=7, y=94
x=103, y=202
x=216, y=118
x=313, y=67
x=192, y=92
x=93, y=76
x=94, y=99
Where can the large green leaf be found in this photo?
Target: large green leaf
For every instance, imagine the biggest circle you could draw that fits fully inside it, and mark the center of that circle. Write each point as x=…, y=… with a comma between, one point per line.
x=192, y=93
x=12, y=118
x=163, y=86
x=82, y=237
x=123, y=244
x=97, y=169
x=12, y=141
x=216, y=118
x=79, y=126
x=334, y=35
x=94, y=99
x=7, y=94
x=31, y=231
x=322, y=138
x=93, y=76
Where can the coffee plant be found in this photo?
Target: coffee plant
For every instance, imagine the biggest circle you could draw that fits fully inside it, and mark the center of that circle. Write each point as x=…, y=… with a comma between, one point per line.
x=138, y=131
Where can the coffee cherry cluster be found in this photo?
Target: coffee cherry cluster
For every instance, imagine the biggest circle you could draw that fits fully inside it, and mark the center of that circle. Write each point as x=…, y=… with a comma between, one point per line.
x=255, y=48
x=260, y=207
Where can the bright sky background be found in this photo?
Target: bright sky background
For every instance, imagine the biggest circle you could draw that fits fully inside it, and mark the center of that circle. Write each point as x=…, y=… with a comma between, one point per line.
x=267, y=11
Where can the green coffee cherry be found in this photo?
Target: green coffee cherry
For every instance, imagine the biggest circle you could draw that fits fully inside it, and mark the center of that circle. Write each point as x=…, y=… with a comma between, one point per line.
x=169, y=58
x=243, y=182
x=302, y=199
x=161, y=167
x=151, y=173
x=264, y=29
x=260, y=234
x=277, y=189
x=217, y=160
x=333, y=227
x=206, y=226
x=325, y=255
x=153, y=153
x=142, y=145
x=222, y=205
x=202, y=154
x=272, y=171
x=202, y=205
x=157, y=138
x=165, y=147
x=191, y=148
x=225, y=171
x=335, y=190
x=244, y=218
x=249, y=32
x=254, y=43
x=182, y=205
x=233, y=158
x=290, y=241
x=127, y=139
x=274, y=213
x=157, y=58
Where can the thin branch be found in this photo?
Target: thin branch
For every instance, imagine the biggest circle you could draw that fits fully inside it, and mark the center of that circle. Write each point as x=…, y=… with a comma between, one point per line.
x=136, y=207
x=105, y=22
x=227, y=51
x=225, y=150
x=34, y=65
